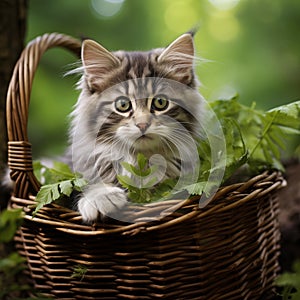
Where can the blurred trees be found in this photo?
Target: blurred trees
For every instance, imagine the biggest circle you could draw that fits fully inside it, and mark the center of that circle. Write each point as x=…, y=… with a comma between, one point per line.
x=251, y=47
x=12, y=34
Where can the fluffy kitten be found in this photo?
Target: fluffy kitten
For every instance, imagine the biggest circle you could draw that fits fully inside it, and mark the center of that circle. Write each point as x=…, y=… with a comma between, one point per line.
x=133, y=102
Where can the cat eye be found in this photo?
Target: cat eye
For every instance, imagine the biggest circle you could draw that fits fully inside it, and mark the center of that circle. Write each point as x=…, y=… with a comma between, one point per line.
x=123, y=104
x=159, y=103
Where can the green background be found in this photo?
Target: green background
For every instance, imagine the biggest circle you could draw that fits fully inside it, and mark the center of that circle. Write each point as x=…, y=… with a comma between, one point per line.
x=249, y=47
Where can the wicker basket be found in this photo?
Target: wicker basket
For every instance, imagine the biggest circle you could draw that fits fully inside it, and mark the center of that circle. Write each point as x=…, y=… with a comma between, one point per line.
x=227, y=250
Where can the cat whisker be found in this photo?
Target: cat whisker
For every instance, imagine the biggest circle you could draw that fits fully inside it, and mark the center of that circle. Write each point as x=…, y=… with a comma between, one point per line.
x=103, y=131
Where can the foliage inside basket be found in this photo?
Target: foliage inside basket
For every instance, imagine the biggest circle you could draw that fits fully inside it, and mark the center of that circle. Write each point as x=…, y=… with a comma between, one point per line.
x=59, y=183
x=253, y=139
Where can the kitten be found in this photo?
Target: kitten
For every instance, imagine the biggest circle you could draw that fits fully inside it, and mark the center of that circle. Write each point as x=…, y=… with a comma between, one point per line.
x=130, y=103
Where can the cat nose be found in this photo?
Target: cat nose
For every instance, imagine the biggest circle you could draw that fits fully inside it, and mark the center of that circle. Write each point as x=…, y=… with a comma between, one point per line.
x=142, y=127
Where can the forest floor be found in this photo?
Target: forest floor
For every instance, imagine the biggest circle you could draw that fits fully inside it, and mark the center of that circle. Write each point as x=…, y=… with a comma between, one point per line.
x=289, y=218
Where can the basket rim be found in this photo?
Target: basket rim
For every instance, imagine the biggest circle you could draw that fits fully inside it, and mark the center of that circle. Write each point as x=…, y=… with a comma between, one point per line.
x=227, y=198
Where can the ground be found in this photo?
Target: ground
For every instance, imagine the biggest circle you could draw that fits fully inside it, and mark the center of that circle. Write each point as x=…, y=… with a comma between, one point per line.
x=289, y=199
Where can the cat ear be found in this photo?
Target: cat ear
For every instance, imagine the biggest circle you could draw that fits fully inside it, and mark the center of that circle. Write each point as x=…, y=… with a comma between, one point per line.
x=97, y=61
x=180, y=51
x=179, y=58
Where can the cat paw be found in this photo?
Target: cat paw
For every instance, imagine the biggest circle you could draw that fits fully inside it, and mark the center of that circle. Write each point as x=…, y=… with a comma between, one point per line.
x=104, y=200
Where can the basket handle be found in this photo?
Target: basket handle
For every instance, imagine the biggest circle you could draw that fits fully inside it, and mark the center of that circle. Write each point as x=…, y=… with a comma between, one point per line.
x=17, y=104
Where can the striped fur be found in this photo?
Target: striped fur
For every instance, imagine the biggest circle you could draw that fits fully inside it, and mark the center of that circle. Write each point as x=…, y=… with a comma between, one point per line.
x=102, y=136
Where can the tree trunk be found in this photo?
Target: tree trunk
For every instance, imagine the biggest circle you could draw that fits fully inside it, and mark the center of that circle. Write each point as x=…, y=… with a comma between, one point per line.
x=12, y=32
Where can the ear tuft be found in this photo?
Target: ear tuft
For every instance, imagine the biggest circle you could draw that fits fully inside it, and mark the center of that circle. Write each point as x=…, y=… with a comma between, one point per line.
x=181, y=50
x=96, y=59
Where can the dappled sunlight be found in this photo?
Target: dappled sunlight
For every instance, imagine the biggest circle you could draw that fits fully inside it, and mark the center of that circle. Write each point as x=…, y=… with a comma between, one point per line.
x=224, y=4
x=107, y=8
x=224, y=26
x=251, y=47
x=181, y=16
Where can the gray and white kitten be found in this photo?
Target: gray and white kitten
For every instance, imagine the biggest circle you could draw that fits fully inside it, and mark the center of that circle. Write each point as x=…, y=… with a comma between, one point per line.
x=130, y=103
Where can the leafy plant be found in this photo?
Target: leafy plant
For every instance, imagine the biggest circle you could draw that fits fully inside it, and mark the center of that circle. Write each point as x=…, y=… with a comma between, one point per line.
x=252, y=138
x=59, y=182
x=290, y=282
x=261, y=134
x=141, y=184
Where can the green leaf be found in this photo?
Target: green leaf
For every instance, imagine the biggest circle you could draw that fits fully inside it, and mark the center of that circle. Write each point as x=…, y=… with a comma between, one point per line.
x=66, y=187
x=10, y=220
x=287, y=115
x=59, y=172
x=199, y=188
x=142, y=161
x=291, y=282
x=149, y=183
x=196, y=188
x=127, y=166
x=37, y=167
x=126, y=181
x=79, y=271
x=277, y=137
x=11, y=262
x=288, y=279
x=141, y=169
x=62, y=168
x=79, y=183
x=60, y=183
x=46, y=195
x=163, y=190
x=55, y=191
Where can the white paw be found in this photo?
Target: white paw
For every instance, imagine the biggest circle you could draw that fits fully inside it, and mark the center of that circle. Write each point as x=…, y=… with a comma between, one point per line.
x=97, y=199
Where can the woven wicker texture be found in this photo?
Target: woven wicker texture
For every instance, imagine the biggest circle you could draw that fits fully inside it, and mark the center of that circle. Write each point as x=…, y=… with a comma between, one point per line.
x=226, y=250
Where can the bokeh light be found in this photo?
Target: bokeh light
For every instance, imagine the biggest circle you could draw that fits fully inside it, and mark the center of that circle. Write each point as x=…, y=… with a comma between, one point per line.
x=224, y=26
x=251, y=48
x=224, y=4
x=107, y=8
x=181, y=16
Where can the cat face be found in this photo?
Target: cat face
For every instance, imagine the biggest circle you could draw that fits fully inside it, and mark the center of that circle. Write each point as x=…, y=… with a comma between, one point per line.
x=142, y=101
x=145, y=115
